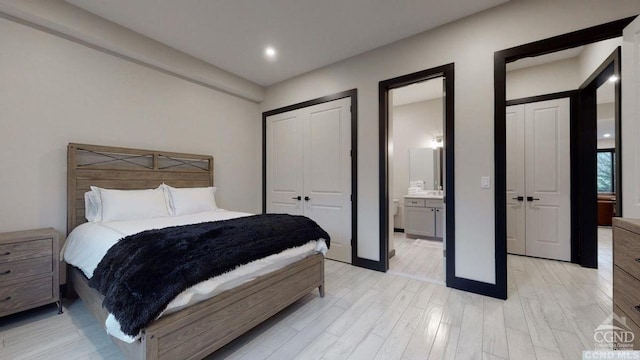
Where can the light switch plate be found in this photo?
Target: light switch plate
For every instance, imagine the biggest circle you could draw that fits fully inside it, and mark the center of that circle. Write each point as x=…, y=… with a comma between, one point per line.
x=485, y=182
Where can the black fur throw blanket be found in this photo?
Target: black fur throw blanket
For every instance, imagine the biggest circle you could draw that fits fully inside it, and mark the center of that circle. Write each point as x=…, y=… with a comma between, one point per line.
x=141, y=274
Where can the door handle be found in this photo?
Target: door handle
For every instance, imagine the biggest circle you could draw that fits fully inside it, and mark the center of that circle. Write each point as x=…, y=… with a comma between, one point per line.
x=306, y=198
x=297, y=198
x=531, y=198
x=519, y=198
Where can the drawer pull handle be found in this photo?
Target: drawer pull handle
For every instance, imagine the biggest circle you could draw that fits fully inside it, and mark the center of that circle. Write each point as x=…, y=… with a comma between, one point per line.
x=6, y=272
x=7, y=253
x=6, y=299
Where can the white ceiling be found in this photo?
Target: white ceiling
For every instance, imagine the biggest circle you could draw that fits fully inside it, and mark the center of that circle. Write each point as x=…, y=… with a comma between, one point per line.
x=426, y=90
x=308, y=34
x=606, y=126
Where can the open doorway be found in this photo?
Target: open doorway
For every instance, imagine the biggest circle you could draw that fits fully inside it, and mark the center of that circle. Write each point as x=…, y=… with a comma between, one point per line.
x=583, y=142
x=445, y=75
x=551, y=133
x=416, y=131
x=607, y=174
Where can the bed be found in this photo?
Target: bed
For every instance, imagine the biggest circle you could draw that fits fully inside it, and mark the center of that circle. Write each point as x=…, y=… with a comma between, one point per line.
x=198, y=330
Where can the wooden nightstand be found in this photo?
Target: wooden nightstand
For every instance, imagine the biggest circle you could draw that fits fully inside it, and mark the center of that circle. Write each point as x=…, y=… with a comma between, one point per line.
x=29, y=275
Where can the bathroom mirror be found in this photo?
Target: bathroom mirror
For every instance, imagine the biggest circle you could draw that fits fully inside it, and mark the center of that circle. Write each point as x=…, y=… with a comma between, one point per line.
x=424, y=165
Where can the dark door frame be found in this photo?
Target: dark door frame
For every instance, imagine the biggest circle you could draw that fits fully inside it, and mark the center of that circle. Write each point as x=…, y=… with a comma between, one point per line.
x=588, y=206
x=501, y=58
x=353, y=96
x=446, y=71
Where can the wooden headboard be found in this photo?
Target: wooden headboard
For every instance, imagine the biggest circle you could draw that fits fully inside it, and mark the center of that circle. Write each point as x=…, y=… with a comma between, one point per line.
x=122, y=168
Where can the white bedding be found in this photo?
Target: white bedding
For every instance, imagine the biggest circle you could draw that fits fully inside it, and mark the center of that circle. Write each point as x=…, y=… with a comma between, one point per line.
x=87, y=244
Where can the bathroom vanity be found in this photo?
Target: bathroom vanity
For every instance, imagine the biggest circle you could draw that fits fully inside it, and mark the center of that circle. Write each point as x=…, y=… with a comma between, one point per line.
x=424, y=216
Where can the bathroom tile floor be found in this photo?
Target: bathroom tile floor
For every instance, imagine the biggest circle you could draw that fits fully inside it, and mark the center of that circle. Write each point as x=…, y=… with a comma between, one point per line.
x=551, y=313
x=419, y=259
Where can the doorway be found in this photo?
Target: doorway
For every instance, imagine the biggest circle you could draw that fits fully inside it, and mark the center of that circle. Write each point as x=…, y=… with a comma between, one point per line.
x=585, y=186
x=600, y=107
x=445, y=72
x=416, y=127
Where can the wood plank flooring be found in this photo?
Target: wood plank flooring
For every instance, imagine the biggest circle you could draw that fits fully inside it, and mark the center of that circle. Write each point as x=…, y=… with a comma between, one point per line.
x=552, y=310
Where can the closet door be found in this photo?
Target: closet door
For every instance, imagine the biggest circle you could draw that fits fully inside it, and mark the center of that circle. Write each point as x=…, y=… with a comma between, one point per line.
x=309, y=169
x=327, y=172
x=548, y=176
x=515, y=181
x=285, y=163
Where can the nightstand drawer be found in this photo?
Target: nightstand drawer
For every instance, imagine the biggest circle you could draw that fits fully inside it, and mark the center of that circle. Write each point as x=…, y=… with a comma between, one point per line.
x=626, y=251
x=25, y=250
x=626, y=294
x=22, y=268
x=22, y=294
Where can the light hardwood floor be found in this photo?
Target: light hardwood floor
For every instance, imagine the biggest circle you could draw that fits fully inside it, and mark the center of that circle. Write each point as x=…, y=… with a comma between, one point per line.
x=552, y=310
x=418, y=259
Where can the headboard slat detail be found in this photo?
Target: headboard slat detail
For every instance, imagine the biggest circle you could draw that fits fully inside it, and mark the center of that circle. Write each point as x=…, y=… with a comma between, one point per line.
x=130, y=169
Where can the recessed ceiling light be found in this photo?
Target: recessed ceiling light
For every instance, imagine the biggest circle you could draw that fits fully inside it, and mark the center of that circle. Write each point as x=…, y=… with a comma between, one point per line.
x=613, y=78
x=607, y=135
x=270, y=52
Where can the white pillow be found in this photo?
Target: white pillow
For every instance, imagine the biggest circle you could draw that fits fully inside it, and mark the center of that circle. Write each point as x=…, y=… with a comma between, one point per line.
x=132, y=204
x=92, y=206
x=185, y=201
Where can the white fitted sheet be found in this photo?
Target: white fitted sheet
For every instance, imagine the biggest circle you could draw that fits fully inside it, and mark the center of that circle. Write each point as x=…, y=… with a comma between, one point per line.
x=87, y=244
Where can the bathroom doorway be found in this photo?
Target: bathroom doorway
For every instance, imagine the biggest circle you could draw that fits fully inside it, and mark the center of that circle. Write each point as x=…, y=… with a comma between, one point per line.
x=416, y=127
x=416, y=175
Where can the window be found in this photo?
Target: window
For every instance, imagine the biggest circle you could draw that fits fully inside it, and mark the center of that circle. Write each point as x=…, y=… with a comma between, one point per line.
x=606, y=169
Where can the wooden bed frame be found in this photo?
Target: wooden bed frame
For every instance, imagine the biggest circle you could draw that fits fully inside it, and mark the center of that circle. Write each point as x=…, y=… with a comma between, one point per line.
x=200, y=329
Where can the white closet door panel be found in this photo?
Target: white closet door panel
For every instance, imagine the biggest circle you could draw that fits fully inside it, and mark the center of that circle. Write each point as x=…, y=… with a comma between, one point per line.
x=547, y=169
x=543, y=150
x=326, y=147
x=631, y=120
x=327, y=172
x=332, y=219
x=515, y=180
x=284, y=163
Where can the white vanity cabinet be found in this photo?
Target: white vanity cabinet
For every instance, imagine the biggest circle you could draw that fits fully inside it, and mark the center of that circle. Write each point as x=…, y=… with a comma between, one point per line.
x=423, y=217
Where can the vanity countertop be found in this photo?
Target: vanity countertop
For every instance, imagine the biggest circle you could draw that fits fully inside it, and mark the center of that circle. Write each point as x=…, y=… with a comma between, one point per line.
x=424, y=196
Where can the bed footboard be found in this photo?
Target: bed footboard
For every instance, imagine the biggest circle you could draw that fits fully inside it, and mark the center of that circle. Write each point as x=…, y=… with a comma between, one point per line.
x=199, y=330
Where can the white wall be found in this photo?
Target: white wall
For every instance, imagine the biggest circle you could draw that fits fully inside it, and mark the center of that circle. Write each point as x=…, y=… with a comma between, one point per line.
x=469, y=43
x=543, y=79
x=563, y=75
x=414, y=126
x=60, y=17
x=594, y=55
x=55, y=91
